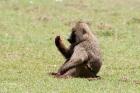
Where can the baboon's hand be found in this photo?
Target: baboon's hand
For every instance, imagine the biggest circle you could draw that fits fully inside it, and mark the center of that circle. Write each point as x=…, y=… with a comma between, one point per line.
x=54, y=74
x=57, y=40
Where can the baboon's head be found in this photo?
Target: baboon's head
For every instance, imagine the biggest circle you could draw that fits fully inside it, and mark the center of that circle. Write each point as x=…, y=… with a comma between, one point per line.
x=80, y=32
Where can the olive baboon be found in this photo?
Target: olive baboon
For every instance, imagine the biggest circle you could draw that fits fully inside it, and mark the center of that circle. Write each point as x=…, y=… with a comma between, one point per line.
x=83, y=58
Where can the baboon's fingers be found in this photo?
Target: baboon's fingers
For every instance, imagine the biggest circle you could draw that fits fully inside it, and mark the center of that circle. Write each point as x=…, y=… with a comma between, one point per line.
x=57, y=40
x=52, y=73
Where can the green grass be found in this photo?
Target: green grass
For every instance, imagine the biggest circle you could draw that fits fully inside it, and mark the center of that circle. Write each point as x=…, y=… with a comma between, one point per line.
x=28, y=53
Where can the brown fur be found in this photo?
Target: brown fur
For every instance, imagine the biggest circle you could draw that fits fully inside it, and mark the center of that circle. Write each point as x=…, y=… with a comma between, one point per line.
x=83, y=58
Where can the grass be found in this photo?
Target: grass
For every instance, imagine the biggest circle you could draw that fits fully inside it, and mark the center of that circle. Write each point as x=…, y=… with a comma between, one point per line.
x=28, y=53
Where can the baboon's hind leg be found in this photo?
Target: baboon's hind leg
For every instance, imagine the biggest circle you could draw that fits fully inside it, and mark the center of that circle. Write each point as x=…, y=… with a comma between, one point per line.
x=81, y=71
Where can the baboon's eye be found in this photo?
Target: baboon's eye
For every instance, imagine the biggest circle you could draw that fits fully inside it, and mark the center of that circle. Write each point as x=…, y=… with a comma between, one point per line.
x=84, y=31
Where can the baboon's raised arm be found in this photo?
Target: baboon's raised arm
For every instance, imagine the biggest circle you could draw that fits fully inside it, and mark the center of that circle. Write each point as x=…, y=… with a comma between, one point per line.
x=62, y=48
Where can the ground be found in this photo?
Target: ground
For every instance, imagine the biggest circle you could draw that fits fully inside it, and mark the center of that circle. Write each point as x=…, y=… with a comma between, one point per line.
x=28, y=53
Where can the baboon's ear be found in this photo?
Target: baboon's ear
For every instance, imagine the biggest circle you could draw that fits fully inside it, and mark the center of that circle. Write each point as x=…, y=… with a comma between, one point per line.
x=88, y=23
